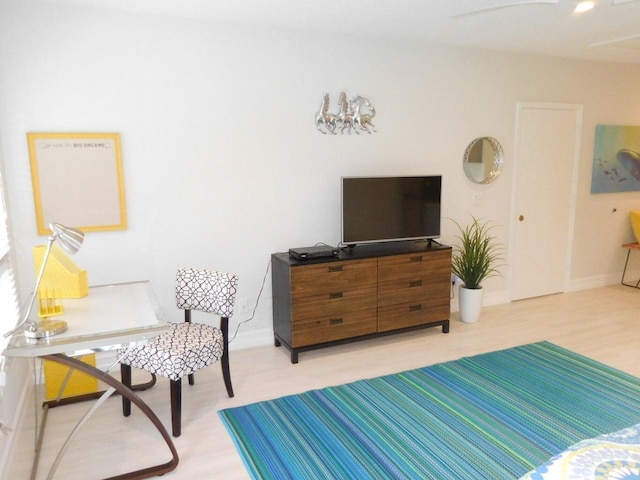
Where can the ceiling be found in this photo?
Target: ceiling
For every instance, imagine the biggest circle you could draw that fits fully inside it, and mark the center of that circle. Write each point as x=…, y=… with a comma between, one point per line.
x=609, y=32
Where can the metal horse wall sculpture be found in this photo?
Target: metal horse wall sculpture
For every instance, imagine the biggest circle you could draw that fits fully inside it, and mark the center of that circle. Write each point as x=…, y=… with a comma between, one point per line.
x=350, y=117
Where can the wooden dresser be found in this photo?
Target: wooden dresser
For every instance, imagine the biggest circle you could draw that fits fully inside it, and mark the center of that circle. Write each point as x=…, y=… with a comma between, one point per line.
x=367, y=291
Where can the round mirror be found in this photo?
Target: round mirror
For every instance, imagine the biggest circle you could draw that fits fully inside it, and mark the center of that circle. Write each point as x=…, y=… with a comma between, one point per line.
x=483, y=160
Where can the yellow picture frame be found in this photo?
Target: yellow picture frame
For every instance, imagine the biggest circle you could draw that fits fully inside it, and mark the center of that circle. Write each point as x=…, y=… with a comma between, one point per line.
x=78, y=181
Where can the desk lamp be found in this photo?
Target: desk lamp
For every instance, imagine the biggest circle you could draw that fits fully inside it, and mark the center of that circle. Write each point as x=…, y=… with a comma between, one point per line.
x=70, y=240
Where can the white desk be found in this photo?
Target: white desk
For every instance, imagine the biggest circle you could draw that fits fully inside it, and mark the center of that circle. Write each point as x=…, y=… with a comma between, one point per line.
x=109, y=316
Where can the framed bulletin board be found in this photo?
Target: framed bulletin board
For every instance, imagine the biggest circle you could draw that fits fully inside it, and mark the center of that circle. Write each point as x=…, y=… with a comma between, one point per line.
x=77, y=180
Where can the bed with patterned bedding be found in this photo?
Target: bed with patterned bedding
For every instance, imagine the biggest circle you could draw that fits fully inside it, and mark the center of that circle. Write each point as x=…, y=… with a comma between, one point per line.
x=614, y=456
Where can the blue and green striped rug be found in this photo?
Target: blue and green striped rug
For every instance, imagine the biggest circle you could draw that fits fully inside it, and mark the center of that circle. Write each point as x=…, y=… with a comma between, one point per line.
x=491, y=416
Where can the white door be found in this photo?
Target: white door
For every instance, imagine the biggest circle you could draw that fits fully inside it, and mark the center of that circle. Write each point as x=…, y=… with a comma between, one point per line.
x=545, y=168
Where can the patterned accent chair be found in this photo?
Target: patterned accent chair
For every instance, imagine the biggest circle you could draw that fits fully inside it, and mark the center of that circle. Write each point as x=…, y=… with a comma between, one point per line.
x=187, y=347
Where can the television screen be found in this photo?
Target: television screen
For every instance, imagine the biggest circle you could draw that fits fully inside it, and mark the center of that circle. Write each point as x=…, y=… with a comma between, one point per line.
x=381, y=209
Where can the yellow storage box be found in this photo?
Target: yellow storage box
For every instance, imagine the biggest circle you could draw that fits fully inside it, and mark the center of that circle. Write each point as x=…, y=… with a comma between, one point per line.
x=61, y=275
x=79, y=383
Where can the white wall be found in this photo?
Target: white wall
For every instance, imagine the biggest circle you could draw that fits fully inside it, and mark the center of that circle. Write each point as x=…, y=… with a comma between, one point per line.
x=223, y=165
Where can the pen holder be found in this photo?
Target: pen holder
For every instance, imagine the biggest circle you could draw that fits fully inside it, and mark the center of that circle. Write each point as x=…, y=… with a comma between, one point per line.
x=48, y=303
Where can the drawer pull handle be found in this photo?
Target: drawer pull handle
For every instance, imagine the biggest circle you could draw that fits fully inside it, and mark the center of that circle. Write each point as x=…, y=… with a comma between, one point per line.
x=415, y=308
x=337, y=268
x=415, y=259
x=335, y=321
x=335, y=295
x=415, y=283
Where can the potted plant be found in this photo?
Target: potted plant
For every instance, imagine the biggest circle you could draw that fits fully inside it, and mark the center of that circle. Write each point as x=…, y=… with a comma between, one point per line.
x=475, y=258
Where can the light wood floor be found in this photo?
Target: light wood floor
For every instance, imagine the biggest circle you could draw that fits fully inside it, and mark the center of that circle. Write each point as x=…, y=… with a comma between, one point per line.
x=603, y=324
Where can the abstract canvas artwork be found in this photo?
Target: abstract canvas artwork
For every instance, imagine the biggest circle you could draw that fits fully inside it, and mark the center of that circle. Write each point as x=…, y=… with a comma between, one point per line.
x=616, y=159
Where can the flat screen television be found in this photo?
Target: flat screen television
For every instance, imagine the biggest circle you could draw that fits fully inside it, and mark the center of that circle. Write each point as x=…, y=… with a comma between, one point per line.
x=385, y=209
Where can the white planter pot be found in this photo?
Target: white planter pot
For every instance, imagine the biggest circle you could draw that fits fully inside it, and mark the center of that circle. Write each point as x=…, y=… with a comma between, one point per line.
x=470, y=302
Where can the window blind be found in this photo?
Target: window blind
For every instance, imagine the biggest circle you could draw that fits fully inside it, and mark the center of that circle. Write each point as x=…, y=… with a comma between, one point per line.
x=9, y=308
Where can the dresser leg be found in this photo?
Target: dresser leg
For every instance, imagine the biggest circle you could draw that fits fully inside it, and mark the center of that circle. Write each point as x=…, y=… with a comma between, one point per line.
x=445, y=326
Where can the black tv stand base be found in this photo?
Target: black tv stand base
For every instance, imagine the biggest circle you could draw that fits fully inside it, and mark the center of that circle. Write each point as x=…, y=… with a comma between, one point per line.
x=279, y=342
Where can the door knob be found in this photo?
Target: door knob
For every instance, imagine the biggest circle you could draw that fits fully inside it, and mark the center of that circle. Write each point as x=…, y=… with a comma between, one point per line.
x=521, y=218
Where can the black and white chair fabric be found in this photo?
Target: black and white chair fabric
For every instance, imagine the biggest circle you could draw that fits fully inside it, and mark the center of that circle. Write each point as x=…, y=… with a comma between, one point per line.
x=187, y=347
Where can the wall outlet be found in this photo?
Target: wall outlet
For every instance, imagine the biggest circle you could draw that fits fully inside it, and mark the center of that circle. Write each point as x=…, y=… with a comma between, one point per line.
x=243, y=305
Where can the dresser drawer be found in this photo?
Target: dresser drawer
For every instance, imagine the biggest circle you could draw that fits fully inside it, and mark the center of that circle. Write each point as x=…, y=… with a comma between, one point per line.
x=431, y=268
x=334, y=327
x=332, y=276
x=416, y=291
x=412, y=314
x=414, y=278
x=333, y=302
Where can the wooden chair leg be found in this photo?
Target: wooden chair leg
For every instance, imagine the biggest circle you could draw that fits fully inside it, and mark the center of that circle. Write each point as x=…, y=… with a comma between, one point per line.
x=224, y=361
x=187, y=319
x=125, y=376
x=176, y=406
x=226, y=374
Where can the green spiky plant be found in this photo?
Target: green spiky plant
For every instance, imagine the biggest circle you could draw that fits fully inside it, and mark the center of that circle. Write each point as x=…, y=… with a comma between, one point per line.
x=478, y=254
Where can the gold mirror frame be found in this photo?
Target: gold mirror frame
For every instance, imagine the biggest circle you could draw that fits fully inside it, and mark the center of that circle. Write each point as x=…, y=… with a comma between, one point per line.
x=483, y=160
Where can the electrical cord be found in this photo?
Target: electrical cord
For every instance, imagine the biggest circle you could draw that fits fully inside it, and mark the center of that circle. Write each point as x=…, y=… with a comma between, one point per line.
x=255, y=307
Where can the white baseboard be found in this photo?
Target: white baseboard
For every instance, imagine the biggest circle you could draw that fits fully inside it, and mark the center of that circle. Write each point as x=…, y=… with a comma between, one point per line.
x=493, y=298
x=253, y=339
x=595, y=282
x=587, y=283
x=259, y=338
